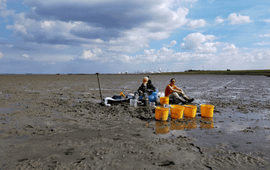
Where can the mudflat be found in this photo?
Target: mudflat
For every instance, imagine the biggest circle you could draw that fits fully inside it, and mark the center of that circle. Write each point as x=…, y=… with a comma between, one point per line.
x=57, y=122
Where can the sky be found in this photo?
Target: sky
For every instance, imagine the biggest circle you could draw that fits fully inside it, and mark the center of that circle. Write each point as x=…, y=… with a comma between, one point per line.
x=112, y=36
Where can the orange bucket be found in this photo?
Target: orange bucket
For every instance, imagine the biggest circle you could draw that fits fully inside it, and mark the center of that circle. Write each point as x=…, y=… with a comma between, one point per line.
x=190, y=111
x=164, y=100
x=207, y=110
x=177, y=111
x=161, y=113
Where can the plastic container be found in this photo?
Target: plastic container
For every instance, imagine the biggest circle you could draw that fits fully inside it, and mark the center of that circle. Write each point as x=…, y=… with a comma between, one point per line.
x=161, y=94
x=164, y=100
x=152, y=104
x=177, y=111
x=133, y=102
x=158, y=100
x=207, y=110
x=161, y=113
x=190, y=111
x=152, y=98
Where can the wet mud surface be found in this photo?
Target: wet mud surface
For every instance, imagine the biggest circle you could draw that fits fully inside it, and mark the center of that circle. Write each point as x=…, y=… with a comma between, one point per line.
x=56, y=122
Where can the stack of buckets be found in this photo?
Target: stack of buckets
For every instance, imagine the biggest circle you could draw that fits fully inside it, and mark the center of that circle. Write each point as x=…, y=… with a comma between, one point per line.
x=177, y=111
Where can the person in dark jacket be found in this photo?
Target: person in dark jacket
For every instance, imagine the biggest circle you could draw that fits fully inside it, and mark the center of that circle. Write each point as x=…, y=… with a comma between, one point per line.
x=150, y=87
x=143, y=88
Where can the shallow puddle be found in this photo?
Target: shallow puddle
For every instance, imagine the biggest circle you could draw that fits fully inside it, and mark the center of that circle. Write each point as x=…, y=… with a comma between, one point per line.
x=237, y=131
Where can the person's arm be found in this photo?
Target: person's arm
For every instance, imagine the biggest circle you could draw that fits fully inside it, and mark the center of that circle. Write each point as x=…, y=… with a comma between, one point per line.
x=141, y=89
x=178, y=88
x=151, y=88
x=175, y=89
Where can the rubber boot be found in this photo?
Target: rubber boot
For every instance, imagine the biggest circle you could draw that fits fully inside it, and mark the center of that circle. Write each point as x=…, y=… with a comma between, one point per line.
x=188, y=99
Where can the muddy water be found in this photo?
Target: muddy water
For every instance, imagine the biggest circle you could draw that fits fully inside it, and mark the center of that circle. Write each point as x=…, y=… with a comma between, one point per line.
x=56, y=122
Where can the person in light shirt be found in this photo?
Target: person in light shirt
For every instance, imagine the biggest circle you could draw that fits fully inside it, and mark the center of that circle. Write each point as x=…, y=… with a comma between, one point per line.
x=173, y=91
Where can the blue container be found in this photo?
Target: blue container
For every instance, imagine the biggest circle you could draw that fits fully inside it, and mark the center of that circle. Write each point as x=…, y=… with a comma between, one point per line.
x=155, y=95
x=152, y=98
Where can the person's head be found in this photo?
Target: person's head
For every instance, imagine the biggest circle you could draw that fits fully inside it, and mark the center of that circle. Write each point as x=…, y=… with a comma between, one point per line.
x=172, y=81
x=149, y=81
x=145, y=80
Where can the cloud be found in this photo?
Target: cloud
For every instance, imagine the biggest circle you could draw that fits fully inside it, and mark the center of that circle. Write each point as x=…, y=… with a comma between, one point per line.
x=25, y=55
x=171, y=44
x=200, y=43
x=49, y=58
x=232, y=54
x=113, y=26
x=219, y=20
x=3, y=5
x=49, y=63
x=230, y=48
x=1, y=55
x=196, y=23
x=262, y=43
x=47, y=25
x=153, y=56
x=234, y=19
x=238, y=19
x=91, y=55
x=265, y=35
x=6, y=13
x=266, y=20
x=3, y=12
x=264, y=55
x=48, y=32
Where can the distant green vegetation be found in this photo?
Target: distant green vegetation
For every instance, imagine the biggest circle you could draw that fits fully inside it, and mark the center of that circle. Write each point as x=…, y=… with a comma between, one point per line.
x=225, y=72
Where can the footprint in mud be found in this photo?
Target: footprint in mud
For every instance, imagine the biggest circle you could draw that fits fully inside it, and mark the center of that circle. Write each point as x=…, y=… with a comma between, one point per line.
x=69, y=151
x=80, y=160
x=167, y=163
x=21, y=160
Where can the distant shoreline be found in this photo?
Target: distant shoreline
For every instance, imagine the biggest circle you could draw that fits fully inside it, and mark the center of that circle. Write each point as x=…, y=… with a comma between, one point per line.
x=187, y=72
x=225, y=72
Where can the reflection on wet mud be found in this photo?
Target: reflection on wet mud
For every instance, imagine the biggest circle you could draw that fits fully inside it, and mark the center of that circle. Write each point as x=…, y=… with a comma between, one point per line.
x=190, y=123
x=208, y=124
x=163, y=127
x=177, y=125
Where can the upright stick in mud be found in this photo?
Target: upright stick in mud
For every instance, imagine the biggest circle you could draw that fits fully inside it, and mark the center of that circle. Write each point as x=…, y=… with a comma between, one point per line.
x=100, y=90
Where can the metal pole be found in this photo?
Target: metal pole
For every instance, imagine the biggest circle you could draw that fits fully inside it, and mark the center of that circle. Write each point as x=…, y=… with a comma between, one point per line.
x=100, y=90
